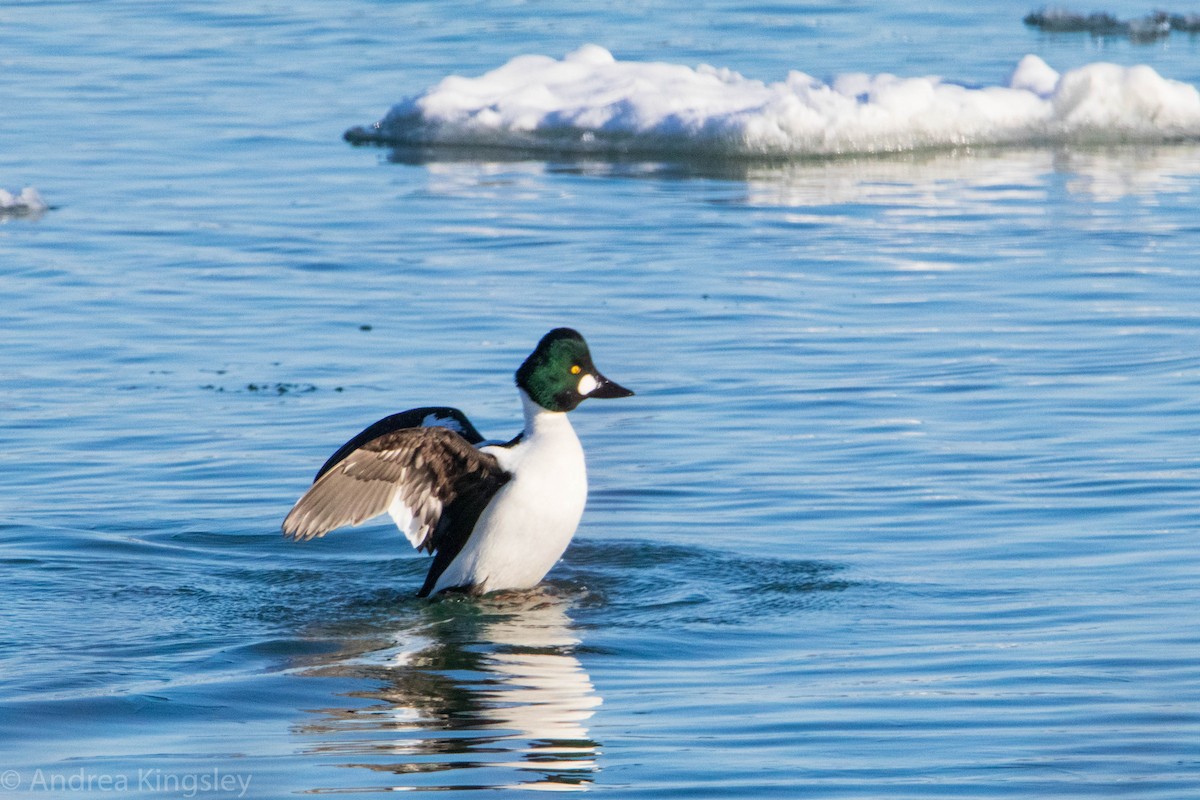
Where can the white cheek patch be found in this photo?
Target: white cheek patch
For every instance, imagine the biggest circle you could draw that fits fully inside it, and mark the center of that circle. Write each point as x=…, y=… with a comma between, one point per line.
x=587, y=385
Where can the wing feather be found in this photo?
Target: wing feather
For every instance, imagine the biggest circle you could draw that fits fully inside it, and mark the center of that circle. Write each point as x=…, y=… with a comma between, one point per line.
x=429, y=416
x=422, y=476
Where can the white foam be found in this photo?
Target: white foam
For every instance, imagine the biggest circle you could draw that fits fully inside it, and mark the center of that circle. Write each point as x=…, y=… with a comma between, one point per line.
x=589, y=102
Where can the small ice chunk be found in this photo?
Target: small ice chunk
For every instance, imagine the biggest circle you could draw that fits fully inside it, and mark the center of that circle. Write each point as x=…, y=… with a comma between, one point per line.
x=28, y=202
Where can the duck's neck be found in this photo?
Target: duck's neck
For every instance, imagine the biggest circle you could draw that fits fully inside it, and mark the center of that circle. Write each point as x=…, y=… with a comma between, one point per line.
x=543, y=422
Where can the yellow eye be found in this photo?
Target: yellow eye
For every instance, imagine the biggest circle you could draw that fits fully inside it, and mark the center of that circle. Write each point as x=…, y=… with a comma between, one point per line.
x=575, y=369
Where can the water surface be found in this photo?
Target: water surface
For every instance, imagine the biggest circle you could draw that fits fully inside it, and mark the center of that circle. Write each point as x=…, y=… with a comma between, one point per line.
x=904, y=505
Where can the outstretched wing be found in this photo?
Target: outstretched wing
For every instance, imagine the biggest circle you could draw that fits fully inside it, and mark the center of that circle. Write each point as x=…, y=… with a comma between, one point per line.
x=426, y=417
x=431, y=480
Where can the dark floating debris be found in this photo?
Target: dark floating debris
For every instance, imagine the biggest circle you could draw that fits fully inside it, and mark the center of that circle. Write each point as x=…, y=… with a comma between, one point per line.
x=270, y=388
x=281, y=388
x=1149, y=28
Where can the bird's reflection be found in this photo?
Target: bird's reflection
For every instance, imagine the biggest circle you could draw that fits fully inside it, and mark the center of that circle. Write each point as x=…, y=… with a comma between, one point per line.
x=474, y=693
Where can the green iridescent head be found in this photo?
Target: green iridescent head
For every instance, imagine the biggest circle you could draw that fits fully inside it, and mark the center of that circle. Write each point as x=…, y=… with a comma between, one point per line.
x=559, y=373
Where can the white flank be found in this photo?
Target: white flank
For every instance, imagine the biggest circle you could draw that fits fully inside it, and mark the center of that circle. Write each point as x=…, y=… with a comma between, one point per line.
x=529, y=523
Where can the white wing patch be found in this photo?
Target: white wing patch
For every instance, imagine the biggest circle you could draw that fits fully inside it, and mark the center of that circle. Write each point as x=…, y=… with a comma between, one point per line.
x=434, y=421
x=414, y=530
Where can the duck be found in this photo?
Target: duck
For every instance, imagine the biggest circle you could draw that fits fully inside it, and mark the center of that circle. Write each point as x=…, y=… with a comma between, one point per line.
x=494, y=516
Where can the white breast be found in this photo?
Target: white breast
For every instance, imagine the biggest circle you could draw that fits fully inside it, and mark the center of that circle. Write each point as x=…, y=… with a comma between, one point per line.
x=529, y=523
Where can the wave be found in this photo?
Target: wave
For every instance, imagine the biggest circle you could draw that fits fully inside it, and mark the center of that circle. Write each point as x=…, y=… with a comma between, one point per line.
x=591, y=103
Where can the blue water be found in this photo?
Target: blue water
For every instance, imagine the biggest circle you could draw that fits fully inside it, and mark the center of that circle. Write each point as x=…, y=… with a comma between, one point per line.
x=905, y=506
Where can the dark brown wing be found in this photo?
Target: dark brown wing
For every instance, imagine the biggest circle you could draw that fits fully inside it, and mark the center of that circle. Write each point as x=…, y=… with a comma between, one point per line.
x=426, y=417
x=421, y=476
